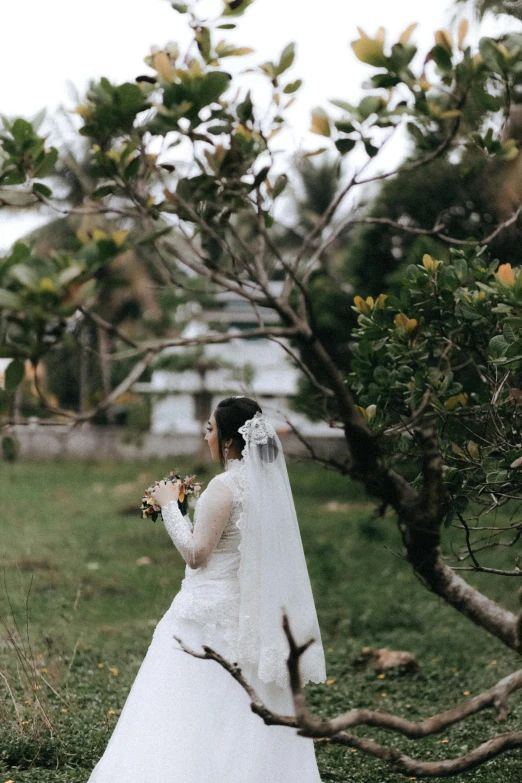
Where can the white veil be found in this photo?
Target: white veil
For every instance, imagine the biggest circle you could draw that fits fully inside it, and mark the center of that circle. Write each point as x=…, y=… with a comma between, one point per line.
x=272, y=573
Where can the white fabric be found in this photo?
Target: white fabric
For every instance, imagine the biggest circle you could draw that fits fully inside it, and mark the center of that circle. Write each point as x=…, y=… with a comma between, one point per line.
x=186, y=720
x=213, y=512
x=272, y=574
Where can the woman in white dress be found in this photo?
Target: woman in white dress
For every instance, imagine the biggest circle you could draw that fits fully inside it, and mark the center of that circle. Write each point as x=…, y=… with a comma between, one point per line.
x=186, y=720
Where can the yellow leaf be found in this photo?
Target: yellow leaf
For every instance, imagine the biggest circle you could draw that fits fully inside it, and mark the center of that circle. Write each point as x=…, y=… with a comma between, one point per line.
x=101, y=666
x=119, y=237
x=330, y=682
x=241, y=51
x=371, y=410
x=370, y=50
x=381, y=300
x=446, y=115
x=161, y=63
x=443, y=38
x=98, y=234
x=462, y=32
x=83, y=111
x=466, y=693
x=363, y=412
x=406, y=324
x=46, y=284
x=457, y=399
x=401, y=320
x=505, y=274
x=320, y=123
x=424, y=84
x=429, y=263
x=113, y=670
x=83, y=236
x=405, y=36
x=361, y=305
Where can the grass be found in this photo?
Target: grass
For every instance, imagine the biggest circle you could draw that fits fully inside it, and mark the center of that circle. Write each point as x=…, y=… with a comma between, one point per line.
x=70, y=539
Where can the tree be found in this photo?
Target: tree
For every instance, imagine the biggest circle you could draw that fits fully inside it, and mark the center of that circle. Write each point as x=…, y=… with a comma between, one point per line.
x=437, y=366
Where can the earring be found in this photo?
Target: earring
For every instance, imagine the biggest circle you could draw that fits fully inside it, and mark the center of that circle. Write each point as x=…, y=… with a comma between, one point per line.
x=226, y=457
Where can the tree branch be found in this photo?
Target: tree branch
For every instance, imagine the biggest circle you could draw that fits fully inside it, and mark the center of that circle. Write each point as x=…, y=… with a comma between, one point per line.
x=334, y=729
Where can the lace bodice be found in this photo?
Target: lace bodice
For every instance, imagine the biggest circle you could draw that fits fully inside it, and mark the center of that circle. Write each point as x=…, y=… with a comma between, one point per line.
x=210, y=590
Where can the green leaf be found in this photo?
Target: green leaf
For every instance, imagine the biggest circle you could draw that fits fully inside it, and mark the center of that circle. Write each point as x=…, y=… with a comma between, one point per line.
x=10, y=301
x=181, y=8
x=345, y=126
x=292, y=87
x=497, y=346
x=103, y=190
x=42, y=190
x=345, y=145
x=213, y=86
x=236, y=7
x=492, y=56
x=280, y=184
x=484, y=99
x=25, y=274
x=371, y=104
x=14, y=374
x=47, y=165
x=22, y=130
x=510, y=334
x=260, y=177
x=132, y=170
x=442, y=58
x=245, y=109
x=385, y=80
x=344, y=106
x=370, y=148
x=286, y=60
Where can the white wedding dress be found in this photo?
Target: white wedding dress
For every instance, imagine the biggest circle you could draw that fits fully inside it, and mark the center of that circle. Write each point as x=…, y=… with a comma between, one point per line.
x=186, y=720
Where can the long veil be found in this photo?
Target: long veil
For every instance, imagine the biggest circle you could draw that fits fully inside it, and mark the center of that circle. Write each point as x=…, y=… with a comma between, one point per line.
x=273, y=574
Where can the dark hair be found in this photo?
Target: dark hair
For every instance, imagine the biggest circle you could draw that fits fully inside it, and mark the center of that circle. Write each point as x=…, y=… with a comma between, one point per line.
x=230, y=414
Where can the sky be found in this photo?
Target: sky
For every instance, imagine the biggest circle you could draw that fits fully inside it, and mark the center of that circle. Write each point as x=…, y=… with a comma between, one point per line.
x=45, y=47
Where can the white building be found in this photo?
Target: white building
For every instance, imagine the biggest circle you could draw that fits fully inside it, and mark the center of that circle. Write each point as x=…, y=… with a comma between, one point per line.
x=256, y=367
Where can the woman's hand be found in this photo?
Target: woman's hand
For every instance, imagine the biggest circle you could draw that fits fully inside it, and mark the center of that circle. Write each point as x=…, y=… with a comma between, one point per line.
x=164, y=491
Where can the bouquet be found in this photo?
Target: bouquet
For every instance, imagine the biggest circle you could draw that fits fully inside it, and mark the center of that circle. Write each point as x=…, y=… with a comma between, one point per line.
x=188, y=488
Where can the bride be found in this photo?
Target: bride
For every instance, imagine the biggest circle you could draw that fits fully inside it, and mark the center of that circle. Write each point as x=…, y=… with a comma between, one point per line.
x=186, y=720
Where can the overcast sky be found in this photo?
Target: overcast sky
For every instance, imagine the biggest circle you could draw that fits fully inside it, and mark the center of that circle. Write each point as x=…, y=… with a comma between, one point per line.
x=46, y=45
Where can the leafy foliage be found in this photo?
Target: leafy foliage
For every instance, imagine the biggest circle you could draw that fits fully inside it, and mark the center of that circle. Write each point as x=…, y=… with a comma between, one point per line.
x=449, y=346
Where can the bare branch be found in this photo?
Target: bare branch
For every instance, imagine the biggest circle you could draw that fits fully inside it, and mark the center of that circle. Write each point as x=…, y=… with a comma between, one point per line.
x=334, y=730
x=108, y=327
x=124, y=386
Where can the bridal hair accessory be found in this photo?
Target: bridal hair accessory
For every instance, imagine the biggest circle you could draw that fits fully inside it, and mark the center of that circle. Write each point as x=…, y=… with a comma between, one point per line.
x=226, y=456
x=272, y=572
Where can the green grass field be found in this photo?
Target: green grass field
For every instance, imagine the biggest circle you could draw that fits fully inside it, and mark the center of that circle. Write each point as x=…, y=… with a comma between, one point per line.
x=70, y=552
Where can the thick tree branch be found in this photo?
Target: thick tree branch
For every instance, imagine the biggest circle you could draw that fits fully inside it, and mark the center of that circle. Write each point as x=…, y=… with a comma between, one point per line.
x=334, y=729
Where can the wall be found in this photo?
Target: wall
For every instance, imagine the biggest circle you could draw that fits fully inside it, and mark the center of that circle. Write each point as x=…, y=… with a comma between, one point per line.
x=92, y=442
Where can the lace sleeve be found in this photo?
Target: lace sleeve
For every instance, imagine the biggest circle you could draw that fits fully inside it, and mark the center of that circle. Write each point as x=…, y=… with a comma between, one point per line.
x=213, y=510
